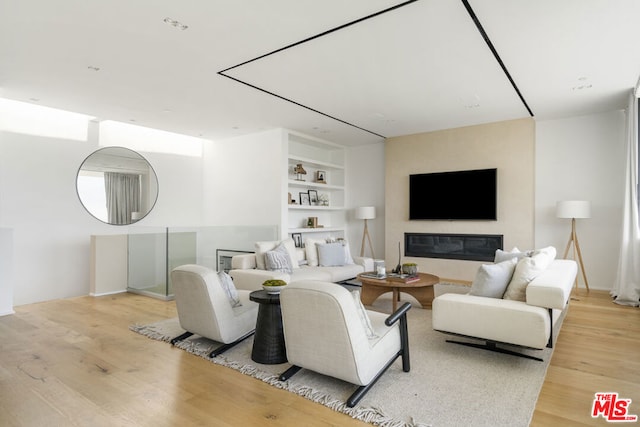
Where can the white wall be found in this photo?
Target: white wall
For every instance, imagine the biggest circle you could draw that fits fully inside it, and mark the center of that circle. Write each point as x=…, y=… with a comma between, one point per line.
x=365, y=187
x=243, y=180
x=51, y=229
x=582, y=158
x=6, y=271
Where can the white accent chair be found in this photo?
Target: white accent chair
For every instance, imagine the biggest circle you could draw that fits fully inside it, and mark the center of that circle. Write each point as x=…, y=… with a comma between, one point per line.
x=324, y=332
x=205, y=310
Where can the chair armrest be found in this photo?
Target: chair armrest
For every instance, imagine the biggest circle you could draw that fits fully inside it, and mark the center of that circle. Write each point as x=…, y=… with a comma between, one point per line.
x=243, y=262
x=401, y=314
x=402, y=311
x=366, y=263
x=552, y=288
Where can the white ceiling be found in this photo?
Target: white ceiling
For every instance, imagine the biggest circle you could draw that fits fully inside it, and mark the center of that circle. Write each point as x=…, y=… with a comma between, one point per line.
x=419, y=67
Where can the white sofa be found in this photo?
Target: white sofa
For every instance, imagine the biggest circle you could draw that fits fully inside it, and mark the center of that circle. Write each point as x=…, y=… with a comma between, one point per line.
x=526, y=323
x=246, y=273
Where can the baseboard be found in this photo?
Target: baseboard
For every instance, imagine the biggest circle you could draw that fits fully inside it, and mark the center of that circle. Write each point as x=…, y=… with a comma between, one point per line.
x=92, y=294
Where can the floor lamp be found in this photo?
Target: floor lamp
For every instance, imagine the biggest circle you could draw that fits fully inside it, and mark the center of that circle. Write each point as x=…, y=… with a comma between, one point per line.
x=366, y=212
x=574, y=209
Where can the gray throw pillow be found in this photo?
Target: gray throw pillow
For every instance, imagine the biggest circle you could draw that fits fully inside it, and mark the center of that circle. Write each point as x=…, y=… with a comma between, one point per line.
x=492, y=279
x=278, y=260
x=331, y=254
x=229, y=288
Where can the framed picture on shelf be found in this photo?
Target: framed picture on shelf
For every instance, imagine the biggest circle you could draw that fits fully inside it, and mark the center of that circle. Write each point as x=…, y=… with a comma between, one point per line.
x=321, y=176
x=297, y=239
x=313, y=197
x=304, y=199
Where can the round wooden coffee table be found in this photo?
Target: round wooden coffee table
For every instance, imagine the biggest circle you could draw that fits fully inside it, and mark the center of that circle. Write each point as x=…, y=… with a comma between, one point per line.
x=421, y=289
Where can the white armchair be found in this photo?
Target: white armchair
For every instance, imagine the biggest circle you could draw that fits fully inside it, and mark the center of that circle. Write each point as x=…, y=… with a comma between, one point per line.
x=326, y=331
x=204, y=308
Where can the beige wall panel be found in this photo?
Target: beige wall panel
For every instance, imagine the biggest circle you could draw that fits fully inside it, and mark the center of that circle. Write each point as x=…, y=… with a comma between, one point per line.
x=507, y=146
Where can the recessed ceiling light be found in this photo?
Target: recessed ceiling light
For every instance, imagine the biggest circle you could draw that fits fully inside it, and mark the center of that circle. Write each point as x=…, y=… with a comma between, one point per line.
x=583, y=83
x=176, y=24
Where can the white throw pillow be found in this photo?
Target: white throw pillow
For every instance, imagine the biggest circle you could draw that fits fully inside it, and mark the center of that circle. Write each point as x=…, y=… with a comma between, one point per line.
x=505, y=256
x=528, y=268
x=312, y=250
x=263, y=247
x=278, y=260
x=229, y=288
x=331, y=254
x=492, y=279
x=364, y=317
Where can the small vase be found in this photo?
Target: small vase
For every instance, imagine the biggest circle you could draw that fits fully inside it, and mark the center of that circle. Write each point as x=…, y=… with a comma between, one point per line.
x=410, y=269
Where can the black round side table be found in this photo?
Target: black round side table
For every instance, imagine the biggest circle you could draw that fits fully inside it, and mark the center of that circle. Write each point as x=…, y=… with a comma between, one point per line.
x=268, y=341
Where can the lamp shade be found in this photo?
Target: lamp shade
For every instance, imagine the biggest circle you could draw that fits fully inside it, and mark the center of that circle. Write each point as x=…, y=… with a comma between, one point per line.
x=366, y=212
x=573, y=209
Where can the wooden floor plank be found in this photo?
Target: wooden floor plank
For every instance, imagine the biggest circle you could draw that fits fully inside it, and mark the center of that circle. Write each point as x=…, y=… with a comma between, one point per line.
x=74, y=362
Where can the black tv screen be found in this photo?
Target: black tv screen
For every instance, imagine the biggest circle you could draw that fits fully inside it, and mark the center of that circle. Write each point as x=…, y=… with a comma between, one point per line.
x=460, y=195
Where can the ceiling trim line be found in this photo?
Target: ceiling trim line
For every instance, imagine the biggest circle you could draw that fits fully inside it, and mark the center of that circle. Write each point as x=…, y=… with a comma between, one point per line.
x=301, y=105
x=322, y=34
x=308, y=39
x=485, y=36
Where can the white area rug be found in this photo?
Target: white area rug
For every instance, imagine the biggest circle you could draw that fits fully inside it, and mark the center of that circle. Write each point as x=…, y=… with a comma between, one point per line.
x=448, y=385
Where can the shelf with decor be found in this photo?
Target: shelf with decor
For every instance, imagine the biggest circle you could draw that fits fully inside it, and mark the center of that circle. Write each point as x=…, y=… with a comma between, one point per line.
x=315, y=230
x=315, y=208
x=315, y=168
x=306, y=184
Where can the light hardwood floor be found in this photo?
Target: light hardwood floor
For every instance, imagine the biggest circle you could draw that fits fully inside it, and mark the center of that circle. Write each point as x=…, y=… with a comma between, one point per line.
x=75, y=363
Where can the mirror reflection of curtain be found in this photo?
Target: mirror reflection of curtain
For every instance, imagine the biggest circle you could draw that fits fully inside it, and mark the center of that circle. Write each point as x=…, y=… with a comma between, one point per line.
x=123, y=196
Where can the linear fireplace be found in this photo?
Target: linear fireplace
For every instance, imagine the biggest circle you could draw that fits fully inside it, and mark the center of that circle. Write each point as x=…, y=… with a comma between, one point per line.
x=471, y=247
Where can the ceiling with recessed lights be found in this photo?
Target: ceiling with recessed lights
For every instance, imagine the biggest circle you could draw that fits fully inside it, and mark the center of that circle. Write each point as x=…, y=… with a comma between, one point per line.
x=352, y=72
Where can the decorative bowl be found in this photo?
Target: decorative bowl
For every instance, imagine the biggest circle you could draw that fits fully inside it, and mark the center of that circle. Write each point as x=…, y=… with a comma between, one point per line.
x=274, y=286
x=273, y=289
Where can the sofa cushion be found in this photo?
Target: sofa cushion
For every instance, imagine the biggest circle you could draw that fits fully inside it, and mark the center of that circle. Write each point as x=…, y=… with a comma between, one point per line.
x=341, y=273
x=311, y=273
x=492, y=279
x=278, y=259
x=492, y=319
x=527, y=269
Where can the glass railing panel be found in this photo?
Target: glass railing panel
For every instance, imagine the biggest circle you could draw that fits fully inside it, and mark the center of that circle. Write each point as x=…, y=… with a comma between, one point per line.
x=147, y=260
x=155, y=251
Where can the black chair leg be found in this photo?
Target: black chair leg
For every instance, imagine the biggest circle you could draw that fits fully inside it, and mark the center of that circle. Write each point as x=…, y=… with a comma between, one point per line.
x=289, y=373
x=218, y=351
x=181, y=337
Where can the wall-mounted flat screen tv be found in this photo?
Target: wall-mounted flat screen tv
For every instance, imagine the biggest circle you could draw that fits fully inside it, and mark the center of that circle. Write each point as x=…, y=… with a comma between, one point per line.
x=459, y=195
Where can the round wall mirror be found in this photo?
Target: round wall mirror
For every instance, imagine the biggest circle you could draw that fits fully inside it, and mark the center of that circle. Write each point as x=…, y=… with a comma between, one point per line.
x=117, y=185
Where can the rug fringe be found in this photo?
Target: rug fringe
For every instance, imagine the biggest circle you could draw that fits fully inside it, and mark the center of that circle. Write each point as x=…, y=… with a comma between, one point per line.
x=371, y=415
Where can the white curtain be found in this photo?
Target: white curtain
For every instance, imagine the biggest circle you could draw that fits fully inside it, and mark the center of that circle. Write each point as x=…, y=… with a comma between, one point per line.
x=123, y=196
x=626, y=288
